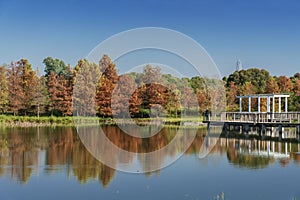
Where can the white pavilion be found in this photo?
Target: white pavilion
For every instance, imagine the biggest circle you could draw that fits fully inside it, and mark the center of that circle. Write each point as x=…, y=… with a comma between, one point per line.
x=269, y=97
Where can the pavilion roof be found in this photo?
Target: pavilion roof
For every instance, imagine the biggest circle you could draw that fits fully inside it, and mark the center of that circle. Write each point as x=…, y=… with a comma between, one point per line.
x=262, y=95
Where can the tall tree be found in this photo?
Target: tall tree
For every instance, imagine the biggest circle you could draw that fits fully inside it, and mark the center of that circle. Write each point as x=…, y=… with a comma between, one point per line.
x=64, y=96
x=85, y=83
x=4, y=93
x=40, y=96
x=16, y=95
x=60, y=89
x=121, y=96
x=188, y=99
x=173, y=99
x=29, y=79
x=106, y=85
x=52, y=85
x=231, y=93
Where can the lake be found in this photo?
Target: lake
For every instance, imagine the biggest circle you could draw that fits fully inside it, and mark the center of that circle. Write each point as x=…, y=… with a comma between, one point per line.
x=52, y=163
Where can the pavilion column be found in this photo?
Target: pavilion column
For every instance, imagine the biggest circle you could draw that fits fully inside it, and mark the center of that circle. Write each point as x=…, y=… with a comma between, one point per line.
x=268, y=104
x=279, y=105
x=249, y=104
x=286, y=105
x=241, y=108
x=258, y=109
x=273, y=105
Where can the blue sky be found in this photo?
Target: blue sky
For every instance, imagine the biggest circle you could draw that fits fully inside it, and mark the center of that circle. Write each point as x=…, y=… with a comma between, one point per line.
x=259, y=33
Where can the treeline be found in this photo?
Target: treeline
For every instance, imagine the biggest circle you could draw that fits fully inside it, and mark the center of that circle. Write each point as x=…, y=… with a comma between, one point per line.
x=97, y=89
x=256, y=81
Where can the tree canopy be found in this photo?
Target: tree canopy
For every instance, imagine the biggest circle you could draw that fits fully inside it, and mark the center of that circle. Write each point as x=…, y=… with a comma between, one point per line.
x=24, y=92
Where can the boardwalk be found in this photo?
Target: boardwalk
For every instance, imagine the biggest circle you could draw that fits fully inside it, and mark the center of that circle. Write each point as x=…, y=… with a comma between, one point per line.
x=246, y=120
x=273, y=117
x=285, y=119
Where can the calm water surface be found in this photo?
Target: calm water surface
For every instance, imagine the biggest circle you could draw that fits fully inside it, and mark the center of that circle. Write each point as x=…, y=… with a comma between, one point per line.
x=52, y=163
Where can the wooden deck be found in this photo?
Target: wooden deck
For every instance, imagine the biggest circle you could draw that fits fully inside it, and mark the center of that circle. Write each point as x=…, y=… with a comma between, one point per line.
x=255, y=119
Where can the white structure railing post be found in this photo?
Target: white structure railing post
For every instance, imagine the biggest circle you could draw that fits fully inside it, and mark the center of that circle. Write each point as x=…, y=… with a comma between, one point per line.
x=258, y=109
x=286, y=105
x=249, y=104
x=241, y=108
x=279, y=105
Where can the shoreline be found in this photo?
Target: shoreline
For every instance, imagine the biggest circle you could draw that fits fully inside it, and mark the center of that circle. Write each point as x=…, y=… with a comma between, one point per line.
x=33, y=121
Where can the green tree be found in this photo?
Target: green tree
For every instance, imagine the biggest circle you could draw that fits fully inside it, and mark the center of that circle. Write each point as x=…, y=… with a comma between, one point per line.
x=55, y=65
x=4, y=93
x=258, y=78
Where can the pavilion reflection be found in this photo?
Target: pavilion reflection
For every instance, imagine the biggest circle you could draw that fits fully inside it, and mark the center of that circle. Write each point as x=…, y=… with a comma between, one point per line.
x=28, y=151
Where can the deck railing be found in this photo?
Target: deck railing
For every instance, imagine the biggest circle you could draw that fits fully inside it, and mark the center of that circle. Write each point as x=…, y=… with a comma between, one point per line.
x=255, y=117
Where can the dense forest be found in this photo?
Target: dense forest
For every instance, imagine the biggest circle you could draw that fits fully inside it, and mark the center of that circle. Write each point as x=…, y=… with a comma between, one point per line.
x=24, y=91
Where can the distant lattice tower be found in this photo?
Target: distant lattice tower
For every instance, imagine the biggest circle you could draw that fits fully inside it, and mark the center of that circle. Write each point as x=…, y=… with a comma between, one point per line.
x=239, y=65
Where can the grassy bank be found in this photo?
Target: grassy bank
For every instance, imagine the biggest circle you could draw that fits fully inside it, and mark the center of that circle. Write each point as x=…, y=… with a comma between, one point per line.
x=28, y=121
x=8, y=120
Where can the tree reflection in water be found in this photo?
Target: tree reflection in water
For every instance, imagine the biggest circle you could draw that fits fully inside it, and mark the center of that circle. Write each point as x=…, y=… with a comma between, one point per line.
x=22, y=151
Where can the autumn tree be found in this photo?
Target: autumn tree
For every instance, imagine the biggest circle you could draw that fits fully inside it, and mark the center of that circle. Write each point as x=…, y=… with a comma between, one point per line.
x=203, y=100
x=59, y=79
x=86, y=76
x=29, y=80
x=272, y=86
x=64, y=96
x=40, y=96
x=21, y=81
x=173, y=99
x=151, y=91
x=52, y=85
x=156, y=95
x=231, y=93
x=285, y=85
x=135, y=102
x=121, y=96
x=106, y=85
x=188, y=99
x=296, y=88
x=15, y=89
x=152, y=74
x=246, y=89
